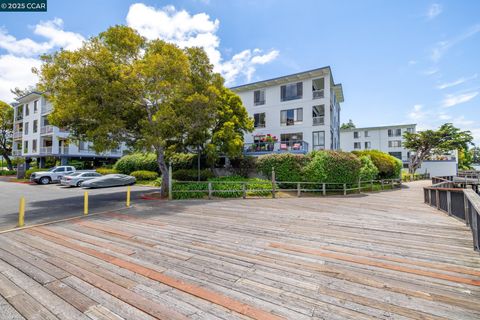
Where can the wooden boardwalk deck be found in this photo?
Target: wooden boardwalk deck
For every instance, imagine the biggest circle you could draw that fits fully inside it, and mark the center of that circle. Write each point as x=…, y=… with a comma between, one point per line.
x=384, y=255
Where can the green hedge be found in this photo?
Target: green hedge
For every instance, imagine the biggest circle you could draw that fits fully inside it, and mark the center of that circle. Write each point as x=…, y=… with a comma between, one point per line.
x=333, y=167
x=7, y=172
x=136, y=162
x=145, y=175
x=254, y=187
x=183, y=160
x=388, y=166
x=368, y=171
x=105, y=171
x=288, y=166
x=192, y=175
x=29, y=172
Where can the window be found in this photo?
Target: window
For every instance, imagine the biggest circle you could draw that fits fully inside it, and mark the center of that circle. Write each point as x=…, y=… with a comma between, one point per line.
x=27, y=109
x=82, y=146
x=366, y=133
x=368, y=145
x=45, y=121
x=394, y=132
x=398, y=132
x=291, y=116
x=25, y=129
x=318, y=140
x=35, y=106
x=395, y=144
x=62, y=169
x=258, y=97
x=397, y=155
x=390, y=132
x=410, y=130
x=34, y=146
x=35, y=126
x=318, y=86
x=25, y=147
x=259, y=120
x=357, y=145
x=318, y=115
x=289, y=139
x=356, y=134
x=291, y=91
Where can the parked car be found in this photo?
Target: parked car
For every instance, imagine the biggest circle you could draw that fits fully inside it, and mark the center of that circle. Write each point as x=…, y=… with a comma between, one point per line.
x=52, y=175
x=109, y=180
x=77, y=178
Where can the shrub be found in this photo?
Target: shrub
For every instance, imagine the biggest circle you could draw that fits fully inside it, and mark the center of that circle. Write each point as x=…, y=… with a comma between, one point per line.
x=7, y=172
x=368, y=171
x=243, y=166
x=144, y=175
x=192, y=175
x=182, y=160
x=333, y=167
x=104, y=170
x=388, y=166
x=136, y=162
x=79, y=165
x=29, y=172
x=288, y=166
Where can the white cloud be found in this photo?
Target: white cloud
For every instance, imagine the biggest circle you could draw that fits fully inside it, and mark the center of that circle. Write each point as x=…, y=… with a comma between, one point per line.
x=412, y=62
x=186, y=30
x=417, y=113
x=443, y=46
x=454, y=99
x=456, y=82
x=23, y=47
x=53, y=30
x=431, y=71
x=434, y=10
x=16, y=72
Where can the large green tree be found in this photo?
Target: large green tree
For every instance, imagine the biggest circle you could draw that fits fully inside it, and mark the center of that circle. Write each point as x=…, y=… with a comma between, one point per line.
x=120, y=88
x=6, y=131
x=429, y=142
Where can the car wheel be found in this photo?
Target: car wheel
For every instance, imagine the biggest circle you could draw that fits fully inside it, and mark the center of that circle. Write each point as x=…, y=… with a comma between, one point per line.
x=44, y=180
x=79, y=183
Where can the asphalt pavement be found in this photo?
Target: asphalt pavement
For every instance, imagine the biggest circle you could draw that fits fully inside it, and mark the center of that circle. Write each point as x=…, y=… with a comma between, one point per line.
x=52, y=202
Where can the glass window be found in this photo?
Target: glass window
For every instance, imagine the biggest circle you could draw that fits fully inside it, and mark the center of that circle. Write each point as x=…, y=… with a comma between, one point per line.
x=368, y=145
x=34, y=146
x=291, y=116
x=318, y=115
x=27, y=109
x=318, y=86
x=398, y=132
x=397, y=155
x=289, y=139
x=258, y=97
x=25, y=147
x=356, y=134
x=35, y=106
x=35, y=126
x=291, y=91
x=357, y=145
x=390, y=132
x=259, y=120
x=395, y=143
x=59, y=170
x=25, y=129
x=410, y=130
x=366, y=133
x=318, y=140
x=45, y=121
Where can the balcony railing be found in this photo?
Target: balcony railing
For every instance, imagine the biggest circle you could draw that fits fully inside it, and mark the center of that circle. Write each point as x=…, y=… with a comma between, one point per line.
x=318, y=94
x=46, y=109
x=318, y=121
x=46, y=150
x=17, y=134
x=19, y=118
x=16, y=153
x=258, y=148
x=46, y=129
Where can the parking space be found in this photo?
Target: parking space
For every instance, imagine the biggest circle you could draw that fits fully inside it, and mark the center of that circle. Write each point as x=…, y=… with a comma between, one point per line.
x=52, y=202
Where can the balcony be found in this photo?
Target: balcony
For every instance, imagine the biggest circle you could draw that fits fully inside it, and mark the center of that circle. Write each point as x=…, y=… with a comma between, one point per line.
x=46, y=129
x=318, y=121
x=19, y=118
x=46, y=109
x=46, y=150
x=318, y=94
x=17, y=135
x=259, y=148
x=16, y=153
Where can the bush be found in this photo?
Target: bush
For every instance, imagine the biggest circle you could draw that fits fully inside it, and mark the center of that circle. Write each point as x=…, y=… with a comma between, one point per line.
x=29, y=172
x=192, y=175
x=388, y=166
x=144, y=175
x=254, y=187
x=79, y=165
x=105, y=171
x=182, y=160
x=368, y=171
x=288, y=166
x=7, y=172
x=136, y=162
x=243, y=166
x=333, y=167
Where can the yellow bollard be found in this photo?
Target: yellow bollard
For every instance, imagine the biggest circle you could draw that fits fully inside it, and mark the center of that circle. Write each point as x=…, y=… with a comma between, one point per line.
x=85, y=203
x=21, y=213
x=128, y=196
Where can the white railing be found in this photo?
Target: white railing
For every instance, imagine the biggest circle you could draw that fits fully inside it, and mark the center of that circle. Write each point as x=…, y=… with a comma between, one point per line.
x=317, y=121
x=17, y=153
x=46, y=109
x=63, y=150
x=46, y=129
x=318, y=94
x=46, y=150
x=17, y=134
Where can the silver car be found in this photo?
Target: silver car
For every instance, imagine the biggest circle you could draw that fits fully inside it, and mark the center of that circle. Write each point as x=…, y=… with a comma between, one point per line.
x=110, y=180
x=76, y=179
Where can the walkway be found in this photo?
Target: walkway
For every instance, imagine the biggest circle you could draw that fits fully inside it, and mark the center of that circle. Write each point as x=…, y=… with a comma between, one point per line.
x=383, y=255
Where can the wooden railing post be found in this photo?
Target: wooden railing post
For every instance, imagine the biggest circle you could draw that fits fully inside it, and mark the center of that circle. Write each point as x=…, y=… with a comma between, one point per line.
x=381, y=181
x=466, y=208
x=324, y=189
x=344, y=189
x=273, y=183
x=359, y=185
x=437, y=199
x=209, y=191
x=298, y=189
x=449, y=203
x=371, y=185
x=244, y=190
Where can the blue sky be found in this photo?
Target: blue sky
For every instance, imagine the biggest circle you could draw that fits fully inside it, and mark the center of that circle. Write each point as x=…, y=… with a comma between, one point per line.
x=398, y=61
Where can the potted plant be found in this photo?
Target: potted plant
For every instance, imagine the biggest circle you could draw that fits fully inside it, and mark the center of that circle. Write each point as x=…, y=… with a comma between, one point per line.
x=270, y=141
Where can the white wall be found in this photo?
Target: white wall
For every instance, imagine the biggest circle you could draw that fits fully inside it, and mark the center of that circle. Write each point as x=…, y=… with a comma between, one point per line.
x=439, y=168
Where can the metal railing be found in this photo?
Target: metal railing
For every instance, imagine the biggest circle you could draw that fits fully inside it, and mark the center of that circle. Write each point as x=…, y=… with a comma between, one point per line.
x=276, y=147
x=46, y=129
x=46, y=109
x=17, y=152
x=17, y=134
x=463, y=204
x=46, y=150
x=317, y=121
x=318, y=94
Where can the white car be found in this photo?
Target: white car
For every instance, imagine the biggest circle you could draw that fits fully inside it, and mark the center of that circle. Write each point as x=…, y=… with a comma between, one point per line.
x=52, y=175
x=77, y=178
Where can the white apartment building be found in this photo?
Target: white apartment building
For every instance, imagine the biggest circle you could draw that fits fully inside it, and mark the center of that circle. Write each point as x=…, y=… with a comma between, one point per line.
x=388, y=139
x=295, y=113
x=34, y=137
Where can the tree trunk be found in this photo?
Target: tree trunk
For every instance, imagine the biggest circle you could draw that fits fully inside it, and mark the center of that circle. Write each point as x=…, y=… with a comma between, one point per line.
x=164, y=170
x=9, y=161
